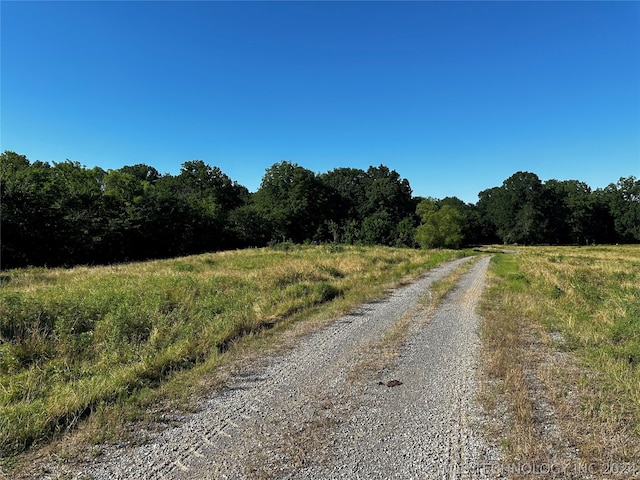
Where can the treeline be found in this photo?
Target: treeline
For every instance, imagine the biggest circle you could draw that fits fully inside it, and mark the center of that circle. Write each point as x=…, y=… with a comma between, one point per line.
x=67, y=214
x=528, y=211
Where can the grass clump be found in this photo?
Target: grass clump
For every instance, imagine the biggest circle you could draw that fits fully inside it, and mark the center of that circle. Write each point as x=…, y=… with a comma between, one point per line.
x=76, y=342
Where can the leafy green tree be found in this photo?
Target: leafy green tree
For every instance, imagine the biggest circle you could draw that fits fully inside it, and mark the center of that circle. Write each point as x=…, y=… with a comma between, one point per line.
x=624, y=205
x=488, y=204
x=67, y=214
x=294, y=201
x=405, y=233
x=517, y=209
x=126, y=200
x=441, y=226
x=80, y=226
x=378, y=229
x=386, y=191
x=11, y=163
x=250, y=226
x=571, y=211
x=604, y=228
x=368, y=206
x=197, y=179
x=142, y=172
x=347, y=190
x=471, y=227
x=50, y=215
x=23, y=210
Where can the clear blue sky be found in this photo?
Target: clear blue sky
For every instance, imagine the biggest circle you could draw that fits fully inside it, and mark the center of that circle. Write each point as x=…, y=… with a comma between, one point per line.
x=455, y=96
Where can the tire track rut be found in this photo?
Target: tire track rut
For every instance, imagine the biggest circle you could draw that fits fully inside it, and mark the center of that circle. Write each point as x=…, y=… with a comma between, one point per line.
x=297, y=415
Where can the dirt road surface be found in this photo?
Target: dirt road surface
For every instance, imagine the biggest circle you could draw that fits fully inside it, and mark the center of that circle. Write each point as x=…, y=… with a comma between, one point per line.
x=341, y=404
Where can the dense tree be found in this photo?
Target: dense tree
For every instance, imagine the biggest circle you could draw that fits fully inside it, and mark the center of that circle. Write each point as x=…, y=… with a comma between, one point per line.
x=471, y=227
x=571, y=212
x=525, y=210
x=347, y=190
x=65, y=213
x=373, y=206
x=26, y=193
x=604, y=229
x=293, y=200
x=250, y=226
x=624, y=204
x=386, y=191
x=441, y=225
x=517, y=209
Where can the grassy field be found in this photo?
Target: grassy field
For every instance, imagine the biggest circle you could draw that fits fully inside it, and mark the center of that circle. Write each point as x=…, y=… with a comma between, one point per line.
x=96, y=342
x=562, y=349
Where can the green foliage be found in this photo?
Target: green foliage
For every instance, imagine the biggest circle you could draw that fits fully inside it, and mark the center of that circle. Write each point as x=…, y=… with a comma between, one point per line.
x=624, y=203
x=294, y=201
x=525, y=210
x=441, y=226
x=517, y=209
x=67, y=214
x=370, y=207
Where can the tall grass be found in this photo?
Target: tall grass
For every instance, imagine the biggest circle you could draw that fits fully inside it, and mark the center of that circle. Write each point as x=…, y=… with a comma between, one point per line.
x=562, y=327
x=73, y=341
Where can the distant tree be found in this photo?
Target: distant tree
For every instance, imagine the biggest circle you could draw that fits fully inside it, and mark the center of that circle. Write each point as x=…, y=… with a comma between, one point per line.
x=570, y=211
x=347, y=190
x=604, y=229
x=50, y=215
x=369, y=206
x=517, y=209
x=126, y=202
x=405, y=233
x=386, y=191
x=624, y=205
x=441, y=226
x=485, y=210
x=80, y=226
x=250, y=226
x=471, y=227
x=197, y=179
x=293, y=200
x=66, y=213
x=142, y=172
x=23, y=210
x=11, y=163
x=378, y=229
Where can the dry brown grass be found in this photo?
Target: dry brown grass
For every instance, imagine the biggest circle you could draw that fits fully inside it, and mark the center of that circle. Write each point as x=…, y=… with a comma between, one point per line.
x=560, y=330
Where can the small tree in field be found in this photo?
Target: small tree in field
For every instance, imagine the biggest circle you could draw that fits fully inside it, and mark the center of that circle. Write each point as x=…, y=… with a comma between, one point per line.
x=441, y=227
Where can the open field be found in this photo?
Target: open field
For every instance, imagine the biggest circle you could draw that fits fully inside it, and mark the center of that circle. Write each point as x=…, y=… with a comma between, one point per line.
x=102, y=342
x=562, y=354
x=102, y=346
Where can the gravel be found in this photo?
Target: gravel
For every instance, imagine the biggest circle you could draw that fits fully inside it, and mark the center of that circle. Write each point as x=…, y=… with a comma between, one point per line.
x=314, y=412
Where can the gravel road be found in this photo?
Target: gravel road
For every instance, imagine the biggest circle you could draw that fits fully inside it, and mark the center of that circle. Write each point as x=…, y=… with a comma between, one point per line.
x=330, y=408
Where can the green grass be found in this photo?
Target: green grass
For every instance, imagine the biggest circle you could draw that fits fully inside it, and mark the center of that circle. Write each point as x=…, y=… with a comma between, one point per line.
x=584, y=302
x=74, y=343
x=592, y=297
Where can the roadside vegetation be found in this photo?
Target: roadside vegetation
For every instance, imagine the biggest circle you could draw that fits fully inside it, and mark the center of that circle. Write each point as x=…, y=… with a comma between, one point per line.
x=107, y=342
x=562, y=357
